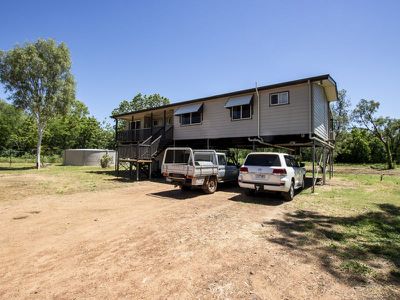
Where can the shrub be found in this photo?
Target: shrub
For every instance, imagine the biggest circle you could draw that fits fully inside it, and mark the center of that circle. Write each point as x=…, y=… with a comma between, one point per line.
x=105, y=161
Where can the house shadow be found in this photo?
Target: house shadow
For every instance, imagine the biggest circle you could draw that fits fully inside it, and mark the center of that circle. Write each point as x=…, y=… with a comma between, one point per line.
x=261, y=198
x=347, y=247
x=124, y=176
x=178, y=194
x=268, y=198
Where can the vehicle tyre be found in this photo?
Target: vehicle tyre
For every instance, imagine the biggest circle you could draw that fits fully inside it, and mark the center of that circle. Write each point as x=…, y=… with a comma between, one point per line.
x=185, y=188
x=210, y=186
x=288, y=196
x=250, y=192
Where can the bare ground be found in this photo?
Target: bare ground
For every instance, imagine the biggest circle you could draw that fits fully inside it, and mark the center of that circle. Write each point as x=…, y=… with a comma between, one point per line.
x=149, y=240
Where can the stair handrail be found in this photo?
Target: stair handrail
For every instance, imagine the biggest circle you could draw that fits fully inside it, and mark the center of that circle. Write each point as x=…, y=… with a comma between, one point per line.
x=146, y=140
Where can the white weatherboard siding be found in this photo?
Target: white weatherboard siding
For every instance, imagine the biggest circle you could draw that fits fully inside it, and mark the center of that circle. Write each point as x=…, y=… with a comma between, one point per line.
x=293, y=118
x=321, y=121
x=216, y=123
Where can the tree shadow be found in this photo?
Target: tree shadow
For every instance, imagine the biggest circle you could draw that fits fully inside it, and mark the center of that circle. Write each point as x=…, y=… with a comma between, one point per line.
x=17, y=168
x=347, y=247
x=103, y=172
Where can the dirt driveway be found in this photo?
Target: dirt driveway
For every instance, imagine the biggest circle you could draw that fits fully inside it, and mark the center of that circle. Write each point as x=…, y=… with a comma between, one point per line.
x=150, y=241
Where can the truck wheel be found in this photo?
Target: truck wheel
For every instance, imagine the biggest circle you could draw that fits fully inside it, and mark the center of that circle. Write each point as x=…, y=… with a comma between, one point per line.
x=288, y=196
x=210, y=186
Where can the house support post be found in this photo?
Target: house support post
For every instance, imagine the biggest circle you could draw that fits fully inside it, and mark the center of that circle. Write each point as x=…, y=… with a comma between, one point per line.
x=130, y=170
x=116, y=132
x=151, y=123
x=150, y=170
x=137, y=171
x=313, y=167
x=208, y=143
x=116, y=148
x=165, y=120
x=324, y=166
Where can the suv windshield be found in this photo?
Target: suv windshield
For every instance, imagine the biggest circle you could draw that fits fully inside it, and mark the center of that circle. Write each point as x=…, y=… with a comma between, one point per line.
x=263, y=160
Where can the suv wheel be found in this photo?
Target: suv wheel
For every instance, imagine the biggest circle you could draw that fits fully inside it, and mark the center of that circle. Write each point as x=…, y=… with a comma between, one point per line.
x=288, y=196
x=210, y=186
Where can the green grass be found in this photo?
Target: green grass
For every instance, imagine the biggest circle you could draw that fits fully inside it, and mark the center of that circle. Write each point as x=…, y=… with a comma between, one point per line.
x=22, y=180
x=354, y=220
x=354, y=267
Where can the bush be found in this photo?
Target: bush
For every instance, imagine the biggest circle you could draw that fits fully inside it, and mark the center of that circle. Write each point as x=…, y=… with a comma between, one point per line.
x=105, y=161
x=52, y=159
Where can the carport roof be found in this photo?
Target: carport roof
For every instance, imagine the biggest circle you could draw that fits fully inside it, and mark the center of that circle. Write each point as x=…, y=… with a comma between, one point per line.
x=325, y=80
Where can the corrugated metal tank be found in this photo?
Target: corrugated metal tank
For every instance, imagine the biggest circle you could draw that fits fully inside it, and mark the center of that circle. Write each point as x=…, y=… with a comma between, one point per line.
x=86, y=157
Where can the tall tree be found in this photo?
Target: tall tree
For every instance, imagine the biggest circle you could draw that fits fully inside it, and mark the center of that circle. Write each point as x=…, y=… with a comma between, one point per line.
x=77, y=129
x=341, y=113
x=385, y=129
x=38, y=77
x=140, y=102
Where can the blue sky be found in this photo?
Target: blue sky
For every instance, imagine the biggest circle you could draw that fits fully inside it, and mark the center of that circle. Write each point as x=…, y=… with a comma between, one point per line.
x=191, y=49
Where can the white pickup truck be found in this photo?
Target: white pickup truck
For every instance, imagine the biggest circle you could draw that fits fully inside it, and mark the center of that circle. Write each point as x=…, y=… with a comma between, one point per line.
x=186, y=168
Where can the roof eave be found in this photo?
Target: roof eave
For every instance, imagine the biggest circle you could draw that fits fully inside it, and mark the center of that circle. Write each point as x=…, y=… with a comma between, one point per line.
x=251, y=90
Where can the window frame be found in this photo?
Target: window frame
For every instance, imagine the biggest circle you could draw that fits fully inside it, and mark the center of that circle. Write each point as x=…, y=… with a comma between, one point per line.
x=190, y=119
x=136, y=122
x=241, y=112
x=278, y=93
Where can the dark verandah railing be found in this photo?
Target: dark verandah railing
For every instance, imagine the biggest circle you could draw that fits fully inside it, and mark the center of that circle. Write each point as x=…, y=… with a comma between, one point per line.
x=148, y=148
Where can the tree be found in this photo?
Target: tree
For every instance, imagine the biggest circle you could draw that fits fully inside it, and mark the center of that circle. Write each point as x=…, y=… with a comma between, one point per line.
x=38, y=77
x=355, y=147
x=341, y=113
x=10, y=120
x=77, y=129
x=140, y=102
x=385, y=129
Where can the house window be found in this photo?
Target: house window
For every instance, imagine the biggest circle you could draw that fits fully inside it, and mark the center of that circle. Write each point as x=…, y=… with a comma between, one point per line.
x=191, y=118
x=135, y=125
x=279, y=98
x=241, y=112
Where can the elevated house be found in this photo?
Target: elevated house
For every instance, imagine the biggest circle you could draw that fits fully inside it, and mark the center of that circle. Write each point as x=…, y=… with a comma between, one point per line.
x=288, y=114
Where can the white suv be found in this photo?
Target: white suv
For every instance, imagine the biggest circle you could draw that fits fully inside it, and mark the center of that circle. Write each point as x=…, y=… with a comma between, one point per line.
x=269, y=171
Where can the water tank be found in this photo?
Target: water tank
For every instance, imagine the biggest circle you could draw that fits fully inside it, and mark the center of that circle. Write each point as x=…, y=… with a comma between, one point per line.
x=86, y=157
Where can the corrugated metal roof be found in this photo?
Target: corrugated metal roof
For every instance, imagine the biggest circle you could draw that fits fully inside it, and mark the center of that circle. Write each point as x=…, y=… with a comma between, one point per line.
x=237, y=101
x=188, y=109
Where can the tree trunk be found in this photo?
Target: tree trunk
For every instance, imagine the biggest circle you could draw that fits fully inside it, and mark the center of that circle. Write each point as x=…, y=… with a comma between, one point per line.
x=389, y=158
x=39, y=147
